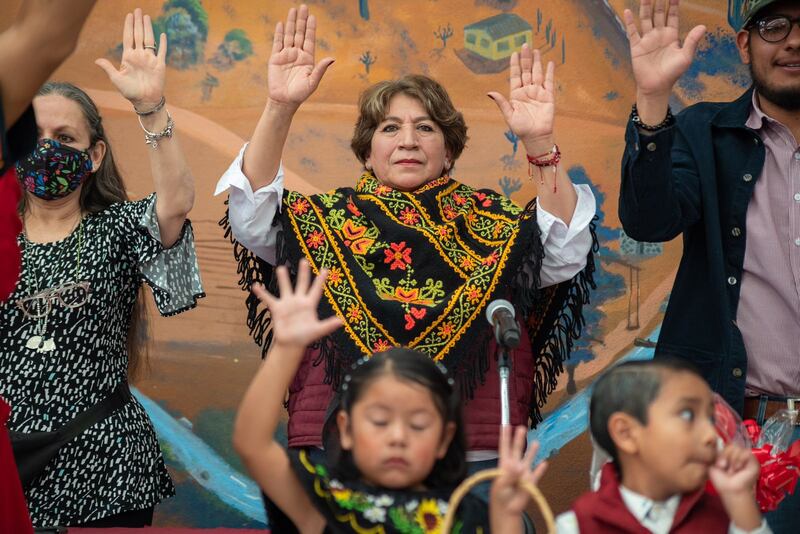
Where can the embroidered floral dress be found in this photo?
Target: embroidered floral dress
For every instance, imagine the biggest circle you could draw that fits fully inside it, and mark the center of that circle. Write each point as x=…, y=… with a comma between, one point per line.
x=56, y=366
x=357, y=507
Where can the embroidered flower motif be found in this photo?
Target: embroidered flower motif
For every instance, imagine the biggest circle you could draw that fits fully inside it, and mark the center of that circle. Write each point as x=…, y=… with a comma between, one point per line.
x=341, y=495
x=467, y=263
x=473, y=294
x=380, y=346
x=352, y=208
x=300, y=206
x=382, y=190
x=449, y=212
x=445, y=232
x=354, y=237
x=398, y=255
x=446, y=329
x=353, y=313
x=334, y=276
x=491, y=259
x=409, y=215
x=375, y=514
x=384, y=501
x=483, y=199
x=458, y=199
x=406, y=295
x=315, y=239
x=429, y=517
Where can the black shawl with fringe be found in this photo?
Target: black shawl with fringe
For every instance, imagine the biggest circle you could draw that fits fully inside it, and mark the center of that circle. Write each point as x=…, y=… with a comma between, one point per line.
x=418, y=269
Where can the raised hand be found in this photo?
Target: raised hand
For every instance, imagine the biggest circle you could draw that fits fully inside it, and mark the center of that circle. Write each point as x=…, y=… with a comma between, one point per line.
x=508, y=498
x=530, y=108
x=140, y=77
x=657, y=57
x=294, y=312
x=292, y=74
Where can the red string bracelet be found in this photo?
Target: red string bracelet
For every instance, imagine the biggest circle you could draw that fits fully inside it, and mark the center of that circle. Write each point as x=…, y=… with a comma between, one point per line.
x=551, y=158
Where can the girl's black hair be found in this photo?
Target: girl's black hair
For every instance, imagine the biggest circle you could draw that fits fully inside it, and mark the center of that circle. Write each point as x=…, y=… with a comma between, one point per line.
x=412, y=366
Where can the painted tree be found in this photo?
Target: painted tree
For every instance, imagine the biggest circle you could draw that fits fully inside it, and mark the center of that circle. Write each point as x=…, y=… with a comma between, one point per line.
x=236, y=46
x=195, y=10
x=363, y=9
x=514, y=140
x=186, y=24
x=444, y=33
x=207, y=86
x=563, y=49
x=368, y=60
x=509, y=185
x=538, y=21
x=547, y=30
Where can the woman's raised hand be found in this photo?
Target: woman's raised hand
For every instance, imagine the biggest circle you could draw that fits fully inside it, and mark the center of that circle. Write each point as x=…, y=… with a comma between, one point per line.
x=294, y=312
x=530, y=108
x=140, y=77
x=657, y=57
x=292, y=74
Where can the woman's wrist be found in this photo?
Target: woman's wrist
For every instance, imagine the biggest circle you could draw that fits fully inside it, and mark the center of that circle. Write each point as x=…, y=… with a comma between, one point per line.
x=537, y=146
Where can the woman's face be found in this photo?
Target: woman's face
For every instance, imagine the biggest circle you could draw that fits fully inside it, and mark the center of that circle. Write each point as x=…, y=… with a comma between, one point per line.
x=407, y=149
x=61, y=119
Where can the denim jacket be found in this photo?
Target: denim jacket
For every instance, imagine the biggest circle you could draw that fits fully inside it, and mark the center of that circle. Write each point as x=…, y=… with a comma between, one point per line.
x=696, y=178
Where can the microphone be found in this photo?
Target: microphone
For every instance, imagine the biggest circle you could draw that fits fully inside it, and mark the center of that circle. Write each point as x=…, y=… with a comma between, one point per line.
x=500, y=314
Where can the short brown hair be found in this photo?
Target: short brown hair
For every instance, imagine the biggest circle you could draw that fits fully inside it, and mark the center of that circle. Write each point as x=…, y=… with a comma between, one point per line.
x=374, y=101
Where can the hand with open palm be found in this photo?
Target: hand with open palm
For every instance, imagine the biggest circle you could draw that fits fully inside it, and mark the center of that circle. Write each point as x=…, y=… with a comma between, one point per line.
x=140, y=77
x=292, y=74
x=657, y=57
x=530, y=108
x=294, y=313
x=508, y=497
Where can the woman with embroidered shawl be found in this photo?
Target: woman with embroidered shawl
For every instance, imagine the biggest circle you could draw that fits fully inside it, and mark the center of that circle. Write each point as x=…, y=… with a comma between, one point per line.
x=413, y=255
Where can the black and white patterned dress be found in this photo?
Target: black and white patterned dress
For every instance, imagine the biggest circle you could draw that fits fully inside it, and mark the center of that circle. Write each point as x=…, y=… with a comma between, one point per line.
x=115, y=465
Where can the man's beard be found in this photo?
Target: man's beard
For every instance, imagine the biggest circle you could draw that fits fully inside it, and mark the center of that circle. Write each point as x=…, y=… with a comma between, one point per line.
x=787, y=98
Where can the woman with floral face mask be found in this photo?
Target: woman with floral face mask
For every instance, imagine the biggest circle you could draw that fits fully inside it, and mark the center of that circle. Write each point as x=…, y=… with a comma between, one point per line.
x=70, y=334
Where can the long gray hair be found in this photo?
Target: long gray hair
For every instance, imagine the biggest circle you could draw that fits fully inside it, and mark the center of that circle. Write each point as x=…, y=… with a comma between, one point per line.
x=101, y=189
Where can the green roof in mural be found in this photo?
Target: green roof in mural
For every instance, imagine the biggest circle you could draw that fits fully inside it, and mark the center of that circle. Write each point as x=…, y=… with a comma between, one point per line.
x=501, y=25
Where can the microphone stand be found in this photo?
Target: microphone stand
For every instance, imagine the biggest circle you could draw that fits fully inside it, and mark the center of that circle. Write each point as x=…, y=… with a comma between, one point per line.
x=504, y=369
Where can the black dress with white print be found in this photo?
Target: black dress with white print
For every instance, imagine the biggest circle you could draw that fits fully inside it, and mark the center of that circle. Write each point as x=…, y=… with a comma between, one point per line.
x=69, y=352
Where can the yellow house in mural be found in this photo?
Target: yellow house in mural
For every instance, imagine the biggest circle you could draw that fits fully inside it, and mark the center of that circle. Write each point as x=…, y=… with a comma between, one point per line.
x=497, y=37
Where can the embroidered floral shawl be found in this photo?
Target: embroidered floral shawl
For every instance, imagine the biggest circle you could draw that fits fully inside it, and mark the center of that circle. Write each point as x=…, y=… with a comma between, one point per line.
x=418, y=269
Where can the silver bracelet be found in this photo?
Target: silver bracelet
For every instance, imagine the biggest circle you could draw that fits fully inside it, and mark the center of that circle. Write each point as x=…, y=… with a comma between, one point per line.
x=151, y=138
x=156, y=109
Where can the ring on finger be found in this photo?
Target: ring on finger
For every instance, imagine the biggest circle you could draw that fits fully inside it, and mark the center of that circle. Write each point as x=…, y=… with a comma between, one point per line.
x=150, y=47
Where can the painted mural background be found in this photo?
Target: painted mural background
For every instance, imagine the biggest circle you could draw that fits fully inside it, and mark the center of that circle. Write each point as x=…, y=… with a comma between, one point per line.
x=216, y=86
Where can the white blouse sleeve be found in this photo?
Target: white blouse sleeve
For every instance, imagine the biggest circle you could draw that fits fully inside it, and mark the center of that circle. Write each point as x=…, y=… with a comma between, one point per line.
x=251, y=213
x=566, y=247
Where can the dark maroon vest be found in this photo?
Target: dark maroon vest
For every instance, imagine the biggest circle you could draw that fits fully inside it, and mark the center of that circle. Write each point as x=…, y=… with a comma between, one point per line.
x=604, y=511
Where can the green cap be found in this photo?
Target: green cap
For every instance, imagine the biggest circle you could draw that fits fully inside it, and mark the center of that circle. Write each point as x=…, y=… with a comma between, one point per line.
x=750, y=8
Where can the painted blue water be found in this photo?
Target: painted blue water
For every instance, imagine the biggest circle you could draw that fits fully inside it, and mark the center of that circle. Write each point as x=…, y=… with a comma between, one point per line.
x=239, y=492
x=570, y=419
x=204, y=464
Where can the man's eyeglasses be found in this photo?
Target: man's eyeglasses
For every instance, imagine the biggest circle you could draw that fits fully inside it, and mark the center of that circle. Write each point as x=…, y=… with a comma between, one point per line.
x=68, y=295
x=776, y=28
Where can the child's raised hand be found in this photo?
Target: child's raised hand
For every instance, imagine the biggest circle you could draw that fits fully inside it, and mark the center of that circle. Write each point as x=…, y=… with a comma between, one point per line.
x=735, y=471
x=508, y=497
x=294, y=312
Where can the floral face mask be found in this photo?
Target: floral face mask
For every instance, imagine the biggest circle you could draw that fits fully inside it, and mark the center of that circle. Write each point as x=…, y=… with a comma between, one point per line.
x=53, y=170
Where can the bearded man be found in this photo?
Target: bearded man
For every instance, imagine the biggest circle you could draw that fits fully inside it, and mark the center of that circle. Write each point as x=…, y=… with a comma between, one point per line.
x=726, y=176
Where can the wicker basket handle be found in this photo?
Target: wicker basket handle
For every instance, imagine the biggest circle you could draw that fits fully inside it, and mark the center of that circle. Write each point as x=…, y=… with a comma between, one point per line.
x=488, y=474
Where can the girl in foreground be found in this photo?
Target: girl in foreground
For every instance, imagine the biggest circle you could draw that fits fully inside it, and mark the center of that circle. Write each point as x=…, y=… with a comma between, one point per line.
x=396, y=449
